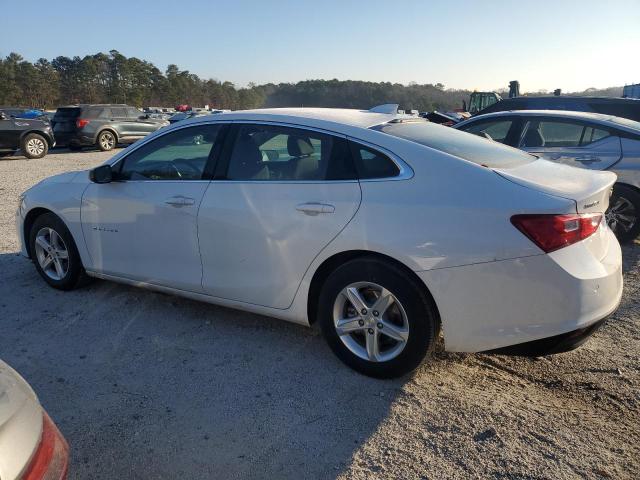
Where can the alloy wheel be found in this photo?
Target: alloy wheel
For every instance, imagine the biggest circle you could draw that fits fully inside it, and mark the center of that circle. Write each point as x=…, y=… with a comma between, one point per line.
x=370, y=321
x=35, y=146
x=621, y=215
x=52, y=253
x=107, y=141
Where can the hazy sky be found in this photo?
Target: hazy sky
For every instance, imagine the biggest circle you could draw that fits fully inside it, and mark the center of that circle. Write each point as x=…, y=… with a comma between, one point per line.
x=463, y=44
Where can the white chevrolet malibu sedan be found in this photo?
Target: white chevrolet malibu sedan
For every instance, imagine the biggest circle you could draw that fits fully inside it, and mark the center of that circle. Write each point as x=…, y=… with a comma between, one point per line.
x=383, y=229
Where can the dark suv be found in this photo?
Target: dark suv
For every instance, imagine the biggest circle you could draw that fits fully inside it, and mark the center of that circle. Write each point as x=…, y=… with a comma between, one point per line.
x=34, y=137
x=617, y=107
x=104, y=126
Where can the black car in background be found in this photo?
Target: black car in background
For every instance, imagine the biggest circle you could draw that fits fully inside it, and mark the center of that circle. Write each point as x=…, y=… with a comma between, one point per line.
x=102, y=125
x=32, y=136
x=618, y=107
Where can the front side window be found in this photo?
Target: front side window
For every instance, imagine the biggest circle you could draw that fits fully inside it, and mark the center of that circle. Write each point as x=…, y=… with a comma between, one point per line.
x=275, y=153
x=133, y=112
x=490, y=129
x=560, y=133
x=179, y=155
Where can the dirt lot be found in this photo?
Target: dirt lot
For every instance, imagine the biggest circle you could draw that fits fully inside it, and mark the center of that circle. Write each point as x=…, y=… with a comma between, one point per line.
x=145, y=385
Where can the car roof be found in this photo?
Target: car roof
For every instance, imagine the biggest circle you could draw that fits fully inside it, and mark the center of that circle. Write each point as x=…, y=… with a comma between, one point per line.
x=610, y=120
x=336, y=119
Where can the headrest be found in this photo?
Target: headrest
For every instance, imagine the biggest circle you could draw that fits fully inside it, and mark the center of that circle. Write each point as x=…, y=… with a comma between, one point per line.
x=299, y=146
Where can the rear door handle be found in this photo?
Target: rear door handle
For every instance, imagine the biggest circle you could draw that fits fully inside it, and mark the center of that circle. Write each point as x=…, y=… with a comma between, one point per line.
x=180, y=201
x=587, y=159
x=314, y=209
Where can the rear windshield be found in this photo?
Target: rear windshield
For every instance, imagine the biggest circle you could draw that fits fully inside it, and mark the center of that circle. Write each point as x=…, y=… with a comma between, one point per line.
x=460, y=144
x=67, y=113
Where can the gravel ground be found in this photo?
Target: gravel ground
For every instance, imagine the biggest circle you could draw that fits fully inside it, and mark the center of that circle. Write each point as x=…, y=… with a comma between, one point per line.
x=145, y=385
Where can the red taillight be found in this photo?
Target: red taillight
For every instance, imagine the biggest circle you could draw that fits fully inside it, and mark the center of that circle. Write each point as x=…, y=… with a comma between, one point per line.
x=551, y=232
x=81, y=123
x=51, y=459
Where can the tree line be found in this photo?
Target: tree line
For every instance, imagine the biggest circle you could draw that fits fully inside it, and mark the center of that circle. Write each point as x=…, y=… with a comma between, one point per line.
x=114, y=78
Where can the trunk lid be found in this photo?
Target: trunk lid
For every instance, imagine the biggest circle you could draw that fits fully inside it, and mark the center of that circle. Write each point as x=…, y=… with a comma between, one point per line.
x=590, y=190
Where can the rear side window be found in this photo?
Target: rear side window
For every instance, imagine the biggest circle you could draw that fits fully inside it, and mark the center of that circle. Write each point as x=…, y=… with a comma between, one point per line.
x=118, y=112
x=560, y=133
x=457, y=143
x=274, y=153
x=371, y=163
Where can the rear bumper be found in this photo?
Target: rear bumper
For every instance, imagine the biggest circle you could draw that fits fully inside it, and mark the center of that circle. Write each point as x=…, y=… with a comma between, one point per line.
x=564, y=342
x=492, y=305
x=75, y=138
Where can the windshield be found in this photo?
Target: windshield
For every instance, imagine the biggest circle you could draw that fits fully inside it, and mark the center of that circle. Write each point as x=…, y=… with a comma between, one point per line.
x=460, y=144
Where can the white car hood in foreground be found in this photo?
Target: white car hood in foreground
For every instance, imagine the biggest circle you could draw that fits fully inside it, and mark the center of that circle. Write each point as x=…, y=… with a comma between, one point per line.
x=20, y=423
x=589, y=189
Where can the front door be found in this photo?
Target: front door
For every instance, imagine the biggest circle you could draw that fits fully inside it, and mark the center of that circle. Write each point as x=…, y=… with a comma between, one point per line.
x=286, y=193
x=143, y=225
x=579, y=144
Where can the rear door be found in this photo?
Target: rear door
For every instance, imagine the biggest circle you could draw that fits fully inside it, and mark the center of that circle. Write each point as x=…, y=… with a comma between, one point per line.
x=121, y=122
x=575, y=143
x=280, y=195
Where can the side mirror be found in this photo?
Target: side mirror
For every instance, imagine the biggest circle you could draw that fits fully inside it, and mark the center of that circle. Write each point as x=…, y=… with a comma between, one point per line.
x=3, y=116
x=101, y=174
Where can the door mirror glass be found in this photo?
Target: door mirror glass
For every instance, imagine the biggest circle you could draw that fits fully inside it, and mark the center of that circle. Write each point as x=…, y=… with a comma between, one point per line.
x=101, y=174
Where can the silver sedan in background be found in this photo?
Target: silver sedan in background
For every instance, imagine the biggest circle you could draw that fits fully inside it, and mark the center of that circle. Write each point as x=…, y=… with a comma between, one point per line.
x=585, y=140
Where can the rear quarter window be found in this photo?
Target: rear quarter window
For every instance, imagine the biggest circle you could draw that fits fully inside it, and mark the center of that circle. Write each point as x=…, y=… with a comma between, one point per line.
x=459, y=144
x=371, y=163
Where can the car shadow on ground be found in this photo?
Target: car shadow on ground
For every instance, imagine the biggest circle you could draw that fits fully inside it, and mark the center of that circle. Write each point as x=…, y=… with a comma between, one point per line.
x=146, y=385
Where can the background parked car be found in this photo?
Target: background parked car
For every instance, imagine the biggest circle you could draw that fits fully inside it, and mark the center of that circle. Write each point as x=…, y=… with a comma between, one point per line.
x=28, y=113
x=180, y=116
x=31, y=446
x=619, y=107
x=33, y=136
x=102, y=125
x=585, y=140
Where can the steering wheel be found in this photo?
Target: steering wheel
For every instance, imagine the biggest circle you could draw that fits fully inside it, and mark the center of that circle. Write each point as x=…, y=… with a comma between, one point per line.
x=185, y=165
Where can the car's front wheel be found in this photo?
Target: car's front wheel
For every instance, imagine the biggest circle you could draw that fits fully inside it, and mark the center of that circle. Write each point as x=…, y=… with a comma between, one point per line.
x=624, y=210
x=55, y=254
x=376, y=318
x=106, y=141
x=34, y=146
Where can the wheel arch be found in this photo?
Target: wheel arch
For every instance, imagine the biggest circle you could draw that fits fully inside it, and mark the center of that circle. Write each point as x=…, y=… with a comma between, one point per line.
x=48, y=139
x=331, y=263
x=29, y=220
x=107, y=129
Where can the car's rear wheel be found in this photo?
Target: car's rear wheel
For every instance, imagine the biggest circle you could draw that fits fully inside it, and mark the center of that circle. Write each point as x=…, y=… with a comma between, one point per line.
x=624, y=210
x=106, y=141
x=34, y=146
x=376, y=318
x=54, y=253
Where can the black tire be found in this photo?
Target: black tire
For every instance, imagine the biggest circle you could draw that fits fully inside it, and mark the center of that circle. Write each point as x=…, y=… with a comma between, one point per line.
x=624, y=204
x=106, y=140
x=75, y=148
x=75, y=275
x=421, y=314
x=34, y=146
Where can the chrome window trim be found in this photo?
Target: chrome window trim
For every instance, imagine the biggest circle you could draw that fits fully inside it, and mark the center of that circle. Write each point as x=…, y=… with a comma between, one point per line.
x=405, y=171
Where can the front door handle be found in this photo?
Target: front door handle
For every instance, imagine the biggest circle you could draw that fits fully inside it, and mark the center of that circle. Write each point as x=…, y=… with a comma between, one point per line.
x=180, y=201
x=587, y=159
x=313, y=208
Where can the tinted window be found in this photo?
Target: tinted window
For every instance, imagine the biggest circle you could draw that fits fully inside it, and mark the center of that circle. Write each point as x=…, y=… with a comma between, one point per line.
x=560, y=133
x=118, y=112
x=264, y=152
x=491, y=129
x=459, y=144
x=133, y=112
x=372, y=164
x=179, y=155
x=625, y=110
x=67, y=113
